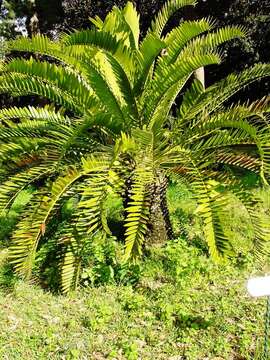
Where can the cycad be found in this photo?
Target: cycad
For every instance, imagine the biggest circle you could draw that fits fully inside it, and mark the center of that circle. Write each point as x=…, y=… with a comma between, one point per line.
x=109, y=127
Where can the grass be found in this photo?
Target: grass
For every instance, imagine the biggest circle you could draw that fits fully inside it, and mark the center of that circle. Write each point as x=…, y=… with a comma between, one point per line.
x=183, y=306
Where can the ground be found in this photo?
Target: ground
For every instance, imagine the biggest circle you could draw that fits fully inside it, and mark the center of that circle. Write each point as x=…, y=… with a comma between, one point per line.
x=177, y=305
x=184, y=307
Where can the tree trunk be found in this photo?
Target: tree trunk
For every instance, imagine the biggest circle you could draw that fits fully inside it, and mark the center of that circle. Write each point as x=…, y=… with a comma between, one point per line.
x=32, y=20
x=160, y=228
x=200, y=75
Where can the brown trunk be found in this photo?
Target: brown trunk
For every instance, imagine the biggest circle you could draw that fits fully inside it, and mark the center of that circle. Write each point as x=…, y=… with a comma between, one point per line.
x=160, y=228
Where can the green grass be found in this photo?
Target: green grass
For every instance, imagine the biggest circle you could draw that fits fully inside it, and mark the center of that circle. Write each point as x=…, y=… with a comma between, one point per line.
x=183, y=306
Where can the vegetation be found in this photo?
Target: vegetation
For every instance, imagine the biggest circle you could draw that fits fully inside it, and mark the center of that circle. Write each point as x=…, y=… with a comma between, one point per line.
x=126, y=176
x=111, y=129
x=180, y=305
x=183, y=306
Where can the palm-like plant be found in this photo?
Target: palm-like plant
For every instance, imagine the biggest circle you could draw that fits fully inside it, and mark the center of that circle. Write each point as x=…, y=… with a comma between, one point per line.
x=109, y=127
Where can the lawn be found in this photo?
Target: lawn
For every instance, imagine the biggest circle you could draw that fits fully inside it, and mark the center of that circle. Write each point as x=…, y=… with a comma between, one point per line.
x=178, y=305
x=183, y=307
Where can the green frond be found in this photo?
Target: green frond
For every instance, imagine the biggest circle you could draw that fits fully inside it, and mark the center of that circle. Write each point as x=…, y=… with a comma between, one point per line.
x=210, y=41
x=132, y=18
x=10, y=188
x=108, y=88
x=221, y=139
x=38, y=43
x=211, y=208
x=215, y=95
x=166, y=86
x=168, y=9
x=29, y=151
x=125, y=89
x=57, y=76
x=150, y=48
x=31, y=112
x=54, y=133
x=29, y=230
x=100, y=177
x=189, y=98
x=259, y=221
x=181, y=36
x=136, y=222
x=236, y=118
x=101, y=40
x=70, y=265
x=20, y=85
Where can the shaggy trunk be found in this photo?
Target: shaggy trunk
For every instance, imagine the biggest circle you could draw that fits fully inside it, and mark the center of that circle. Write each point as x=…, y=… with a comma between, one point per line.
x=160, y=227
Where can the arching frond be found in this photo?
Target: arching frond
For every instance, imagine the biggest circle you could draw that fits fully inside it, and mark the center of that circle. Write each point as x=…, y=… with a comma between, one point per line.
x=211, y=208
x=31, y=112
x=167, y=86
x=215, y=95
x=10, y=188
x=169, y=8
x=181, y=36
x=57, y=76
x=29, y=230
x=20, y=85
x=150, y=48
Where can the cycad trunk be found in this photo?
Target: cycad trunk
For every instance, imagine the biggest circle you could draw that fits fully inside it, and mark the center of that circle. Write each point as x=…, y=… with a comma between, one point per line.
x=160, y=227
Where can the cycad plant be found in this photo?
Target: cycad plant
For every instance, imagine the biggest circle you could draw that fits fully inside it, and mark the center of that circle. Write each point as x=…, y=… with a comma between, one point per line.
x=122, y=115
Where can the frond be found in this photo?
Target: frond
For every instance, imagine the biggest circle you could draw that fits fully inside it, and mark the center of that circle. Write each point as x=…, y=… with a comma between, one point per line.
x=23, y=151
x=215, y=95
x=136, y=222
x=132, y=18
x=29, y=230
x=211, y=208
x=167, y=84
x=149, y=49
x=190, y=97
x=34, y=113
x=181, y=36
x=236, y=119
x=70, y=263
x=10, y=188
x=54, y=134
x=168, y=9
x=56, y=76
x=212, y=40
x=259, y=221
x=42, y=45
x=138, y=207
x=99, y=39
x=20, y=85
x=100, y=177
x=106, y=92
x=240, y=160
